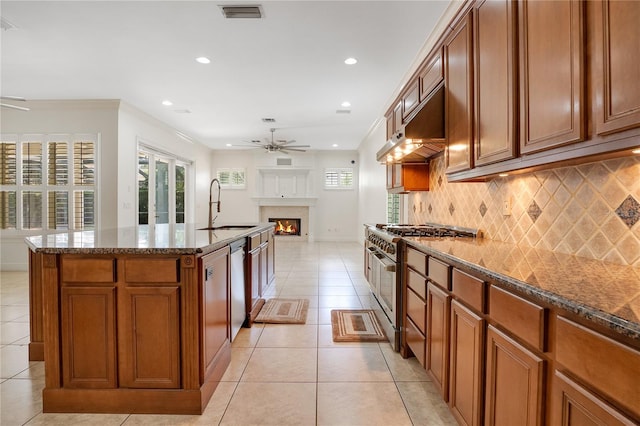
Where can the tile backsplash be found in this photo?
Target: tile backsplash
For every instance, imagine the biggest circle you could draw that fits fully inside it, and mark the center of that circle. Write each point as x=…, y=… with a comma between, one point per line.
x=591, y=210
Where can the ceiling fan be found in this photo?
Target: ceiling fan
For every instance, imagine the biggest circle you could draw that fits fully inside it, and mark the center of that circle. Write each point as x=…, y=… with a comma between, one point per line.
x=13, y=98
x=278, y=145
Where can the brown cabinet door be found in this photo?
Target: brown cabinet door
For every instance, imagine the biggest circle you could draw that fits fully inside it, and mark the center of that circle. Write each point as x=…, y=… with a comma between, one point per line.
x=514, y=383
x=410, y=99
x=465, y=374
x=431, y=75
x=253, y=281
x=88, y=337
x=389, y=175
x=389, y=126
x=216, y=310
x=397, y=117
x=149, y=337
x=458, y=99
x=495, y=81
x=438, y=337
x=271, y=259
x=573, y=405
x=616, y=70
x=263, y=269
x=551, y=74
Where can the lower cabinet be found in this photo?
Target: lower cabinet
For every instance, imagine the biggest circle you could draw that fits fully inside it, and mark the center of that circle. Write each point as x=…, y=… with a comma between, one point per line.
x=466, y=365
x=438, y=337
x=514, y=382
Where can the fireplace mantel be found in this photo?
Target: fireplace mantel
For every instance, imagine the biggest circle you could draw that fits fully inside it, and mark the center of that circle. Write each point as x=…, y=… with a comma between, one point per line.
x=285, y=201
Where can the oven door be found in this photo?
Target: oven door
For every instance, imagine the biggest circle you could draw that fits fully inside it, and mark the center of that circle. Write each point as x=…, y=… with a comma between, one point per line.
x=386, y=285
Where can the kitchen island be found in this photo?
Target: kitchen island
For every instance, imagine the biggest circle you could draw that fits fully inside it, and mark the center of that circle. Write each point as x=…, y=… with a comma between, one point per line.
x=132, y=320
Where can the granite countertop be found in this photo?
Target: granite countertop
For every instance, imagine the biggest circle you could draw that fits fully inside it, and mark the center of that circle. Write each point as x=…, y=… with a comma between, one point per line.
x=602, y=292
x=177, y=239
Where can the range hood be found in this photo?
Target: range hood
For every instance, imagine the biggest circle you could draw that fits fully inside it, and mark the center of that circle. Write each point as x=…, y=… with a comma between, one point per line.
x=422, y=137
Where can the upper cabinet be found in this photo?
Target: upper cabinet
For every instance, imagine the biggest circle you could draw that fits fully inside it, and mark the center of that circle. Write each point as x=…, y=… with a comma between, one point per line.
x=495, y=80
x=552, y=74
x=431, y=75
x=458, y=100
x=616, y=71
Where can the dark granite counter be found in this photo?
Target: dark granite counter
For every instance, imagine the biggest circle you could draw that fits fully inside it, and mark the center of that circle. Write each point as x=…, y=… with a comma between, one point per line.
x=181, y=239
x=602, y=292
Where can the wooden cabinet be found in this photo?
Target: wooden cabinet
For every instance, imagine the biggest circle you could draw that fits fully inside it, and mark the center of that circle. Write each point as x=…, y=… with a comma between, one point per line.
x=466, y=365
x=271, y=258
x=432, y=74
x=573, y=405
x=148, y=333
x=414, y=295
x=514, y=382
x=437, y=362
x=552, y=74
x=616, y=71
x=495, y=80
x=407, y=177
x=410, y=99
x=458, y=64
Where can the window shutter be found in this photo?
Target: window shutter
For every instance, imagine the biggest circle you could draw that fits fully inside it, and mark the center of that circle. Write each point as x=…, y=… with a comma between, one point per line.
x=83, y=163
x=8, y=163
x=58, y=159
x=32, y=163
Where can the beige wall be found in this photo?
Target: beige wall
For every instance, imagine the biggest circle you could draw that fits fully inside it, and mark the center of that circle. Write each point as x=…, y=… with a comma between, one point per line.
x=576, y=206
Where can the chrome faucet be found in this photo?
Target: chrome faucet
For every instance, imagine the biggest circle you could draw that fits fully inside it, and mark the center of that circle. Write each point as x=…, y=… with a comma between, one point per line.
x=211, y=218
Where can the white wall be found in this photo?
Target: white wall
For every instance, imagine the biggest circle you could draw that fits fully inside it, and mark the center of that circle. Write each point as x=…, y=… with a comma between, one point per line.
x=119, y=127
x=97, y=117
x=135, y=126
x=336, y=211
x=372, y=202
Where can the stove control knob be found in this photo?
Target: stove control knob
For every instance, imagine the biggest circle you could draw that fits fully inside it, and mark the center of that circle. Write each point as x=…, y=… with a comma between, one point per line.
x=392, y=249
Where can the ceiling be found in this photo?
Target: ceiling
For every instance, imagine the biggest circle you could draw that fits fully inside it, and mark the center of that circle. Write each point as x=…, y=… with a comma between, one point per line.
x=289, y=65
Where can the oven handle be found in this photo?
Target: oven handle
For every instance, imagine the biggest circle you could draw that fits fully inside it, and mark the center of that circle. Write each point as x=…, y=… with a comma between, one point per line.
x=387, y=265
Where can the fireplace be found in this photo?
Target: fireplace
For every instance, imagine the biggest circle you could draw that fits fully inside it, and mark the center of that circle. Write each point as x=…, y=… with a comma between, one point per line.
x=286, y=226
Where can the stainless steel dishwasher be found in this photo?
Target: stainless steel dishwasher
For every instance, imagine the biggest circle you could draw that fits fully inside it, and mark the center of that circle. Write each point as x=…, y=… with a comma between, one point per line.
x=238, y=306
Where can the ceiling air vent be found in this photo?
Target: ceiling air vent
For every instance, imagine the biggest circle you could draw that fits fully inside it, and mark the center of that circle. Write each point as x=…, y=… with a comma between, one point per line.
x=343, y=111
x=283, y=161
x=268, y=120
x=240, y=12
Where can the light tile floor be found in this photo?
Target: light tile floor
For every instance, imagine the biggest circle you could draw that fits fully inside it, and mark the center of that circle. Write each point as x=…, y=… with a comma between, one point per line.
x=279, y=374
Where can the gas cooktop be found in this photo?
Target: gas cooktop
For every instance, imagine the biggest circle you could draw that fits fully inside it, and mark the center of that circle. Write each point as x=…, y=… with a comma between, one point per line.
x=429, y=230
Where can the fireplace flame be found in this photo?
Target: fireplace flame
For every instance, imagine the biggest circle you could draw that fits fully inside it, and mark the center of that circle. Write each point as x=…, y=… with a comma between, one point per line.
x=285, y=228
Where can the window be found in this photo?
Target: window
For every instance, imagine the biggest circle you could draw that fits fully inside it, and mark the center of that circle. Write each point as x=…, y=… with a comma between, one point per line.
x=393, y=208
x=338, y=178
x=232, y=178
x=47, y=182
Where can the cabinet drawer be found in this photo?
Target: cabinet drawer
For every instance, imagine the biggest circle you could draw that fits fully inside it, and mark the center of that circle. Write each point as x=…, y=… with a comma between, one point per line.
x=439, y=273
x=145, y=270
x=415, y=341
x=469, y=289
x=416, y=310
x=264, y=236
x=523, y=318
x=254, y=241
x=90, y=270
x=417, y=260
x=610, y=367
x=417, y=283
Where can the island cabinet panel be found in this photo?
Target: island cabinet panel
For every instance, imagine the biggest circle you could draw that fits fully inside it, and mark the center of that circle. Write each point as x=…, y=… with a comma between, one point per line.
x=438, y=305
x=573, y=405
x=609, y=367
x=616, y=37
x=552, y=74
x=140, y=270
x=88, y=337
x=458, y=99
x=495, y=86
x=149, y=337
x=88, y=270
x=466, y=365
x=271, y=258
x=255, y=301
x=216, y=309
x=514, y=382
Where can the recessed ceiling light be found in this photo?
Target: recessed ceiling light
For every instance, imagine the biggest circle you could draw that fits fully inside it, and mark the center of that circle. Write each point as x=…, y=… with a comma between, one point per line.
x=203, y=60
x=503, y=174
x=229, y=144
x=167, y=102
x=335, y=145
x=636, y=151
x=351, y=61
x=346, y=104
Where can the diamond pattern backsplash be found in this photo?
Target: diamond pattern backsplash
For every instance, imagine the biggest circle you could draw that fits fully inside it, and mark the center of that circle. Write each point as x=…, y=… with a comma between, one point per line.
x=591, y=210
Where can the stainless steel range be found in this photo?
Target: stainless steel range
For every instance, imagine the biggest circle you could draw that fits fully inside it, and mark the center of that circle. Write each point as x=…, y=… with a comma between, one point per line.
x=384, y=252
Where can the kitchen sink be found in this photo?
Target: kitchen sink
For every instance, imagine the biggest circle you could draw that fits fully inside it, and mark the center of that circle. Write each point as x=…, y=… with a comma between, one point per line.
x=227, y=227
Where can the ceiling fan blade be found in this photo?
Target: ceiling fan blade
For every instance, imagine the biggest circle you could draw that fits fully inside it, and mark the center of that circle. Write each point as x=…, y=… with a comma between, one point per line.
x=2, y=104
x=13, y=98
x=292, y=149
x=296, y=146
x=282, y=142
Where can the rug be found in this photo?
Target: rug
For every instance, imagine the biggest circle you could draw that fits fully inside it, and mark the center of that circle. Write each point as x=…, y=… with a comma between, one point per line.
x=284, y=311
x=356, y=325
